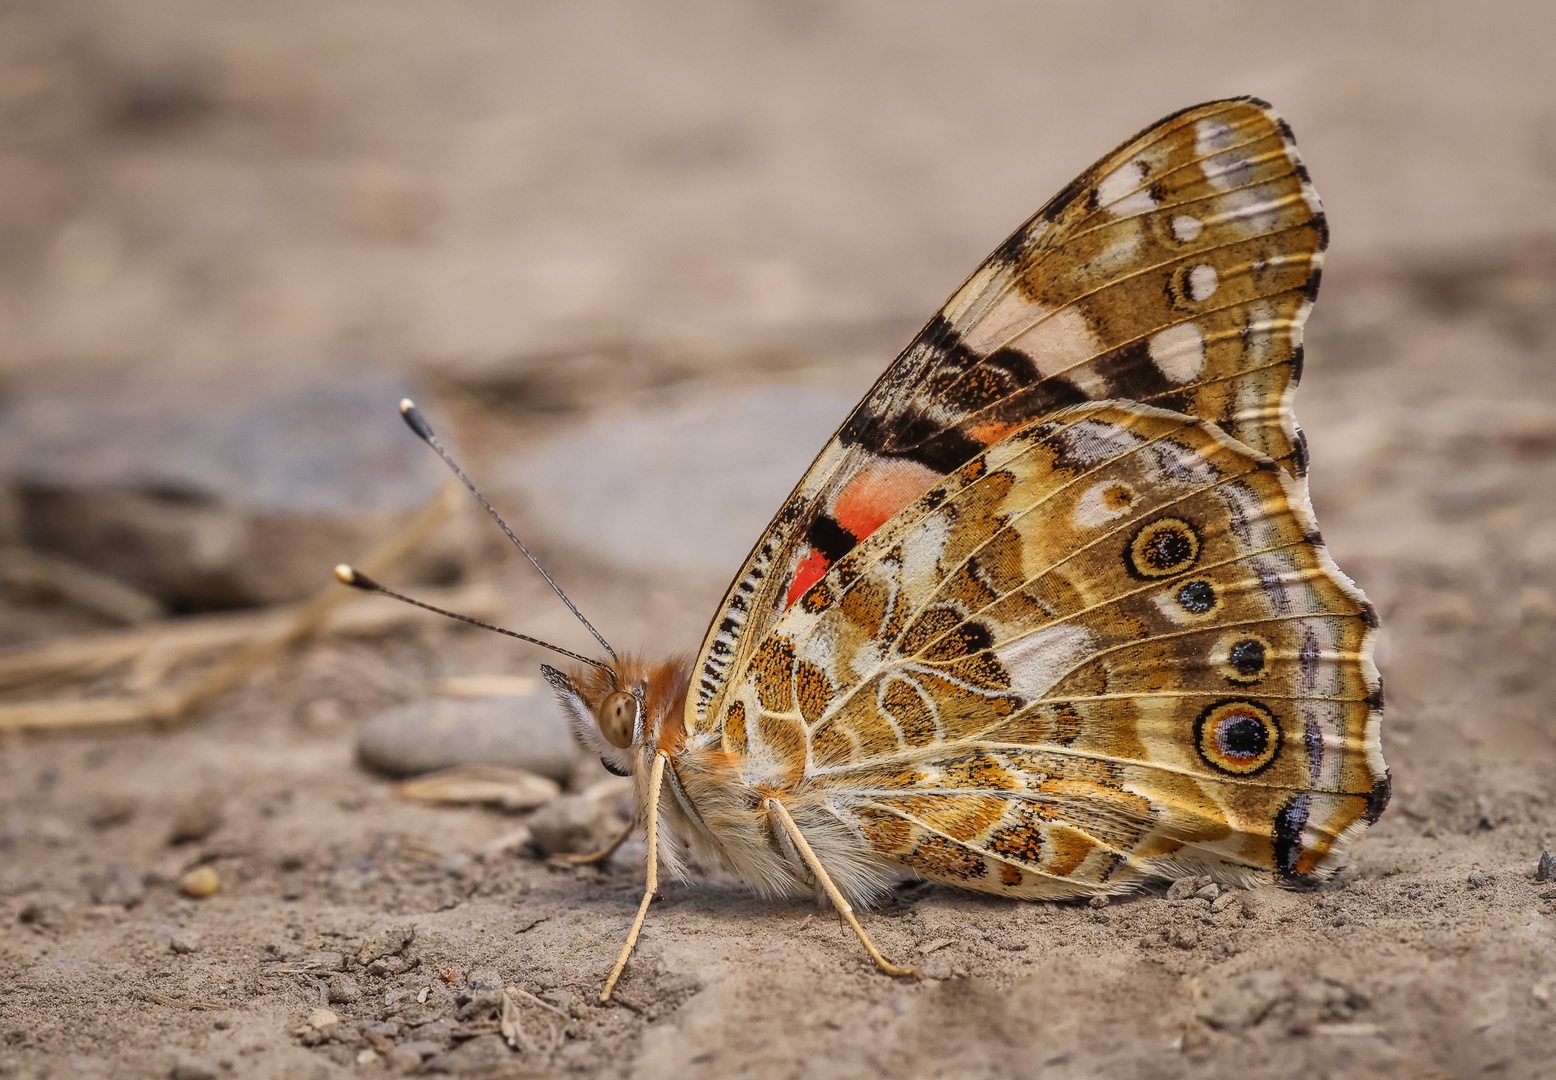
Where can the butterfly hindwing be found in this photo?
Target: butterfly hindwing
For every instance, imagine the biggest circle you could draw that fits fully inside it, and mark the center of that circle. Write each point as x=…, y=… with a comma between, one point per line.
x=1110, y=645
x=1177, y=271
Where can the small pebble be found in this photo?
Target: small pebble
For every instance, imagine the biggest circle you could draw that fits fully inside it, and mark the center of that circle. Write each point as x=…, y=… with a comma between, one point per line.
x=343, y=989
x=1479, y=879
x=571, y=824
x=199, y=883
x=113, y=810
x=1209, y=892
x=519, y=731
x=390, y=942
x=199, y=817
x=118, y=885
x=320, y=1019
x=366, y=1057
x=408, y=1056
x=325, y=961
x=1098, y=902
x=1546, y=869
x=483, y=978
x=189, y=1067
x=185, y=942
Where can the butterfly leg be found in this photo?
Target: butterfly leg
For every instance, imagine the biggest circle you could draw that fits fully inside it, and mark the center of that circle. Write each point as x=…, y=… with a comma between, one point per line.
x=656, y=779
x=565, y=859
x=845, y=910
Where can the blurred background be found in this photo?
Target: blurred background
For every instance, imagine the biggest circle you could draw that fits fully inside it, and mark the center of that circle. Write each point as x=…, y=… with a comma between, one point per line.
x=221, y=224
x=635, y=260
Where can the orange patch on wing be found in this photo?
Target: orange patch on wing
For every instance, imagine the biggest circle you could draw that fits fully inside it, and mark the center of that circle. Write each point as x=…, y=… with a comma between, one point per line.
x=990, y=431
x=876, y=495
x=811, y=570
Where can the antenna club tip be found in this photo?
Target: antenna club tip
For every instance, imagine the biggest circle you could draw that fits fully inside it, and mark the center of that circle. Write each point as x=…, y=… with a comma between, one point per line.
x=346, y=575
x=412, y=416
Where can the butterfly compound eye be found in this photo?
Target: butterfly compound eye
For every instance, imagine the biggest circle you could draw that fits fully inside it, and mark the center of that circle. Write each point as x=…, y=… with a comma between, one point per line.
x=618, y=718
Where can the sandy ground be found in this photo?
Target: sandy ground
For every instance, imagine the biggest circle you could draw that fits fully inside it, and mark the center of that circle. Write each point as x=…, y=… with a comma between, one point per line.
x=544, y=214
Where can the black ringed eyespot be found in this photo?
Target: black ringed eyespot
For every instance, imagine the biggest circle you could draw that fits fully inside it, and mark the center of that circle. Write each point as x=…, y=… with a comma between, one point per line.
x=1163, y=548
x=1197, y=597
x=1247, y=660
x=1237, y=737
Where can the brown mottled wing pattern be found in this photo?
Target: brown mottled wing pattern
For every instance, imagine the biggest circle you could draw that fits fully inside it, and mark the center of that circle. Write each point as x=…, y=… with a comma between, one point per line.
x=1177, y=271
x=1109, y=646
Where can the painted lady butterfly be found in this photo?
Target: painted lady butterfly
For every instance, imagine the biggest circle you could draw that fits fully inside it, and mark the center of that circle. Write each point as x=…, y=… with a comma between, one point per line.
x=1049, y=615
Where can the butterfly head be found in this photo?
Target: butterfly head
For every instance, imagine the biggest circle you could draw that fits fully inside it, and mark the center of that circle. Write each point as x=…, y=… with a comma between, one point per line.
x=620, y=711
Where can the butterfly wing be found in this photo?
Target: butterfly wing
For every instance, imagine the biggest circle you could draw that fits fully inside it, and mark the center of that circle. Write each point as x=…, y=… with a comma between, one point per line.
x=1109, y=646
x=1176, y=271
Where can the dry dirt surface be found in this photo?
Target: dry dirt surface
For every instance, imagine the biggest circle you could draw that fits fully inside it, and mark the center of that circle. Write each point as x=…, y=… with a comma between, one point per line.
x=545, y=215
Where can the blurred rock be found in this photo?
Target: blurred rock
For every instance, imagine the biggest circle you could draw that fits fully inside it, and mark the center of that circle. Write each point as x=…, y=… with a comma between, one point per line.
x=200, y=882
x=624, y=488
x=1546, y=869
x=118, y=885
x=480, y=1054
x=483, y=979
x=217, y=492
x=184, y=942
x=189, y=1067
x=573, y=824
x=111, y=810
x=520, y=731
x=199, y=817
x=390, y=942
x=343, y=989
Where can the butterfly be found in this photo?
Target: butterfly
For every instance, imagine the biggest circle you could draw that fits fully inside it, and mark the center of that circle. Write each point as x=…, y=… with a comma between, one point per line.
x=1049, y=615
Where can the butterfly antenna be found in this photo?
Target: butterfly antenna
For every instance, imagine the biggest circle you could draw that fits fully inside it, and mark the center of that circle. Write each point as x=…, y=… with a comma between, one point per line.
x=423, y=430
x=358, y=580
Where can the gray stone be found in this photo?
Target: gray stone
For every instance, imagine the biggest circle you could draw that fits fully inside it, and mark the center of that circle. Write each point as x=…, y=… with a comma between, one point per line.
x=572, y=824
x=390, y=942
x=479, y=1054
x=1546, y=869
x=407, y=1057
x=325, y=961
x=1246, y=1003
x=199, y=816
x=521, y=731
x=184, y=942
x=483, y=978
x=624, y=488
x=189, y=1067
x=343, y=989
x=214, y=492
x=118, y=885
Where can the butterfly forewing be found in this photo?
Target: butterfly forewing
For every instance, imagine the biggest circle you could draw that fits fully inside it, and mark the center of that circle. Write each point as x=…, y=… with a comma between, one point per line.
x=1111, y=645
x=1177, y=271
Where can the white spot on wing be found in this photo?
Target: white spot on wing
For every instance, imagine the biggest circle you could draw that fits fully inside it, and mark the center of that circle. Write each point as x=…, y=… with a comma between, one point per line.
x=1059, y=344
x=1185, y=228
x=1211, y=135
x=1202, y=282
x=1179, y=352
x=1040, y=659
x=1103, y=502
x=1121, y=192
x=1092, y=442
